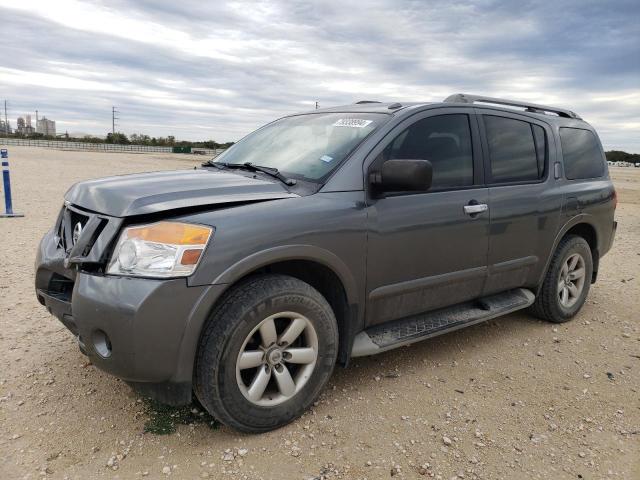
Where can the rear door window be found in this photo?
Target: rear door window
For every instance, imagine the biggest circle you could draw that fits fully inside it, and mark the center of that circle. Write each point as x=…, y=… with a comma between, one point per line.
x=517, y=149
x=581, y=152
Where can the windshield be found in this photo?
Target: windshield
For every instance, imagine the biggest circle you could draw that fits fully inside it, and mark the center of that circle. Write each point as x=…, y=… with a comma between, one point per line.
x=305, y=146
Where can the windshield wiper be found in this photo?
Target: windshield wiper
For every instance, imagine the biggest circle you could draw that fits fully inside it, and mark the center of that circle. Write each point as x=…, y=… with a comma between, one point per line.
x=271, y=171
x=213, y=163
x=274, y=172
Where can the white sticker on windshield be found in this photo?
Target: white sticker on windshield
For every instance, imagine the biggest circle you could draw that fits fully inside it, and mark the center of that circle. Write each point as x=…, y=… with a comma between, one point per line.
x=326, y=158
x=352, y=122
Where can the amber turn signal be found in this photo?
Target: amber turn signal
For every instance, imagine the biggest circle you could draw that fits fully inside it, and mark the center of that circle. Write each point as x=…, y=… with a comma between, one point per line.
x=190, y=257
x=172, y=233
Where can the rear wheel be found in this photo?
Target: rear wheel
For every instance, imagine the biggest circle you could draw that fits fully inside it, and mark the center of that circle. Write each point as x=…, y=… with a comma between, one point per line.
x=567, y=282
x=266, y=353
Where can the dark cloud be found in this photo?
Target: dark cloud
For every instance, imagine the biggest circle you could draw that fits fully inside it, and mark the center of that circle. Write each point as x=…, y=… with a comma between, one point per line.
x=218, y=70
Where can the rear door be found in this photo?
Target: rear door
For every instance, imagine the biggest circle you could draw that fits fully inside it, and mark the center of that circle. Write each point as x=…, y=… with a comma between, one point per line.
x=525, y=200
x=424, y=250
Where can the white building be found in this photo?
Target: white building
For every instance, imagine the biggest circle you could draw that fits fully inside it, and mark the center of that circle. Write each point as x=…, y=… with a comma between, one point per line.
x=46, y=127
x=24, y=128
x=5, y=128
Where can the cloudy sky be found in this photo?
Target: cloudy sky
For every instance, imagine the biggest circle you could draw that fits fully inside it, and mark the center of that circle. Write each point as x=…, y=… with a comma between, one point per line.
x=217, y=70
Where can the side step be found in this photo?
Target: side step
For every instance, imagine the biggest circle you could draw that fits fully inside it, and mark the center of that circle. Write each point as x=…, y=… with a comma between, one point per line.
x=405, y=331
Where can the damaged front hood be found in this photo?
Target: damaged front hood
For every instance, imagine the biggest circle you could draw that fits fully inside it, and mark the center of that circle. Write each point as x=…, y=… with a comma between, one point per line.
x=145, y=193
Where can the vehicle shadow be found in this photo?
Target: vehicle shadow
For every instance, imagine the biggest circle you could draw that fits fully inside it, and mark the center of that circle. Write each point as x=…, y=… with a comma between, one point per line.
x=163, y=419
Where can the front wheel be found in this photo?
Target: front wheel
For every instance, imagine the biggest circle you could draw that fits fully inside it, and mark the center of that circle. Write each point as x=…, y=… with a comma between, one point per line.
x=567, y=282
x=266, y=353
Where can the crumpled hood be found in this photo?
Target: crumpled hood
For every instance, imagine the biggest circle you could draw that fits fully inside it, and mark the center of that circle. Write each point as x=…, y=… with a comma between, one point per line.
x=145, y=193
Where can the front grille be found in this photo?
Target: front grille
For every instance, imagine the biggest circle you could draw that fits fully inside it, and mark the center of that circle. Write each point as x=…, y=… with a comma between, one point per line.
x=84, y=236
x=69, y=218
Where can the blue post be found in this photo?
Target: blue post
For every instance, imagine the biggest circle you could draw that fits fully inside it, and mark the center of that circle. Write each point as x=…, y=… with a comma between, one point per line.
x=4, y=155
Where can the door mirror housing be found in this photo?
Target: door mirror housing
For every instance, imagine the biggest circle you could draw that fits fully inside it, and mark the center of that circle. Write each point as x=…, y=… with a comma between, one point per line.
x=403, y=176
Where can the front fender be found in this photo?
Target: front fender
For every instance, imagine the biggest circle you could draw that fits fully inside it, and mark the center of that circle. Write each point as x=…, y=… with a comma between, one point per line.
x=292, y=252
x=201, y=310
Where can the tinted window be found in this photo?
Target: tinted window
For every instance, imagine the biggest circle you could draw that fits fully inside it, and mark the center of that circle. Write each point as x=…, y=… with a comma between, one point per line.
x=541, y=148
x=581, y=152
x=445, y=141
x=512, y=150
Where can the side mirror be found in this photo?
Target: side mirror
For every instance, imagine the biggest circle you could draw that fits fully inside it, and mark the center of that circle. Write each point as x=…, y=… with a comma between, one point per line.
x=403, y=176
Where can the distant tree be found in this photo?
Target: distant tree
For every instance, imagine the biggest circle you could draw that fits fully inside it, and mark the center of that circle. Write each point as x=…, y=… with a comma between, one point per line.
x=117, y=138
x=90, y=139
x=140, y=139
x=210, y=144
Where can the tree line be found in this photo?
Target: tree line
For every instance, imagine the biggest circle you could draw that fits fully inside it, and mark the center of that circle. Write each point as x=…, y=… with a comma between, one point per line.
x=620, y=156
x=120, y=138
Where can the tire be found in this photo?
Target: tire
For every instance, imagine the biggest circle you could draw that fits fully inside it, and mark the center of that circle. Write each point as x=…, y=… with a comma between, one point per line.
x=236, y=325
x=550, y=303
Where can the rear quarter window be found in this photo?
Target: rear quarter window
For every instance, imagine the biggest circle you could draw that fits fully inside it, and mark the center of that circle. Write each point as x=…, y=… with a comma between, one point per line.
x=581, y=153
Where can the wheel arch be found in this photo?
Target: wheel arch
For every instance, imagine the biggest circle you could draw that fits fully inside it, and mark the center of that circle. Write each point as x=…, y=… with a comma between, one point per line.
x=582, y=226
x=292, y=253
x=324, y=279
x=321, y=268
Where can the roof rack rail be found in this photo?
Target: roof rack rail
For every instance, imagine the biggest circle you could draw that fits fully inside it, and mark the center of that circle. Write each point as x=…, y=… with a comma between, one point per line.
x=366, y=101
x=529, y=107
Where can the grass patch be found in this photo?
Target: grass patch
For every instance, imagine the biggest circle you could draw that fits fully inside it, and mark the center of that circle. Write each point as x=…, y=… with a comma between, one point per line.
x=164, y=418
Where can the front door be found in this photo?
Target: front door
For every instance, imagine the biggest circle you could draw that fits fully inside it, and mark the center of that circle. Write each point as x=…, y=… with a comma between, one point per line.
x=427, y=250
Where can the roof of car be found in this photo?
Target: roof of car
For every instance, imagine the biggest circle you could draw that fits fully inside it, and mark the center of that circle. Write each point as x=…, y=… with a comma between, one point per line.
x=548, y=113
x=368, y=106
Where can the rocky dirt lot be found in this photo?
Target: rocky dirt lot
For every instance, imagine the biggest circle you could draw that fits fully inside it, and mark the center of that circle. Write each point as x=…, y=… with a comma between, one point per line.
x=513, y=398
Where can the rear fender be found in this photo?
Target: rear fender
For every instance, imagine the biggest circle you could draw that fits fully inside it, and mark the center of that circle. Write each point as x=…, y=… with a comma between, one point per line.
x=572, y=222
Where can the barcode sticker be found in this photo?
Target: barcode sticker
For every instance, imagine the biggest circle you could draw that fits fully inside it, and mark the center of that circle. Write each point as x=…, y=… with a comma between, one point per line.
x=352, y=122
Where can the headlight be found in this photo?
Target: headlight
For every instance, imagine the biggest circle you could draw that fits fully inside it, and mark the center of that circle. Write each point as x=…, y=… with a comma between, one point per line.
x=163, y=249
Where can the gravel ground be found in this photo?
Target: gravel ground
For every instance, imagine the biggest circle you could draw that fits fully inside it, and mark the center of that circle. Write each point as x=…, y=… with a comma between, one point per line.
x=511, y=398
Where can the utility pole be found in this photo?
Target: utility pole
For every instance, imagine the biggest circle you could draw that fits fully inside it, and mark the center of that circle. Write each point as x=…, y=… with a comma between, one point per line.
x=6, y=123
x=317, y=105
x=113, y=121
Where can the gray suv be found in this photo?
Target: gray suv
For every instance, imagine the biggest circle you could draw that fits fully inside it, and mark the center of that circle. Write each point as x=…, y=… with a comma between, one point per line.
x=323, y=236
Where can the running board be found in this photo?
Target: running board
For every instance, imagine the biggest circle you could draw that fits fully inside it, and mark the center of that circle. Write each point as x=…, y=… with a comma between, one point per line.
x=405, y=331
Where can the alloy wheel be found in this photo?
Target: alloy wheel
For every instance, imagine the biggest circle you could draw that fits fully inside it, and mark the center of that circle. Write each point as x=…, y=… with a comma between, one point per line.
x=277, y=358
x=571, y=280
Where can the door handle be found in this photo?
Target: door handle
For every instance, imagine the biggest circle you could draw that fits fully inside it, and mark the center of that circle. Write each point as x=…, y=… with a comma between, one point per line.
x=475, y=208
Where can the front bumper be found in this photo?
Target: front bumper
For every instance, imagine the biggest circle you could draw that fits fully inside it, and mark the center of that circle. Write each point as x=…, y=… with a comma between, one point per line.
x=141, y=330
x=613, y=234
